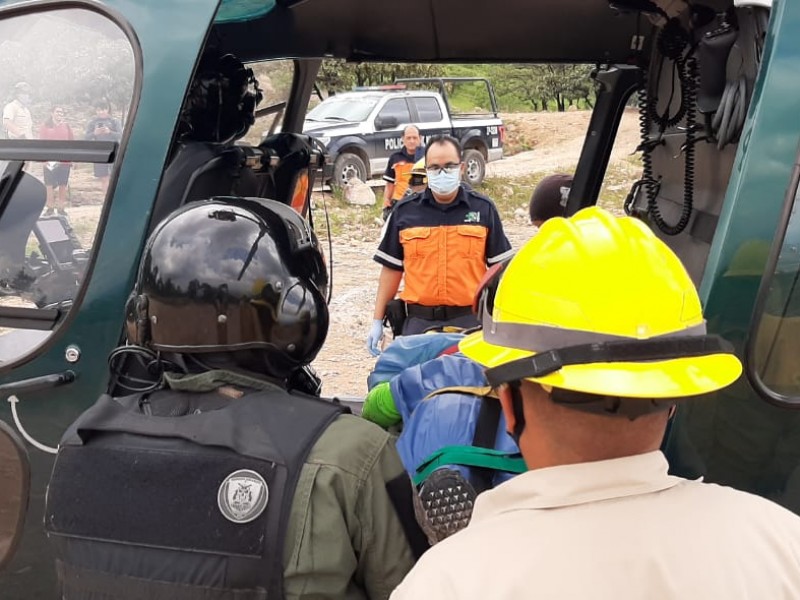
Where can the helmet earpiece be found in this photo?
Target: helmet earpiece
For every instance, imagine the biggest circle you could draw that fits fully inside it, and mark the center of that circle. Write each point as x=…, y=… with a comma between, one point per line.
x=300, y=336
x=137, y=321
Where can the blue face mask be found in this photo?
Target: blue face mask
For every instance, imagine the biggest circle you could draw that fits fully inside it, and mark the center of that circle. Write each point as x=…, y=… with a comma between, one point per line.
x=444, y=181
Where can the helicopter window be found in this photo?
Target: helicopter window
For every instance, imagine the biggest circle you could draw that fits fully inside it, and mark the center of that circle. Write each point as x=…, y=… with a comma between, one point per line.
x=275, y=78
x=775, y=348
x=66, y=86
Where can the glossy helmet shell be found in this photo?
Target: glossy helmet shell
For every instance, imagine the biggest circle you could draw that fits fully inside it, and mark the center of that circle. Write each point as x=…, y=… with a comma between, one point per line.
x=232, y=274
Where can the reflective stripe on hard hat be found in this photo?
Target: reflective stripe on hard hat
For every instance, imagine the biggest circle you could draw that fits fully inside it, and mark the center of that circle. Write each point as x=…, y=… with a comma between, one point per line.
x=541, y=338
x=544, y=363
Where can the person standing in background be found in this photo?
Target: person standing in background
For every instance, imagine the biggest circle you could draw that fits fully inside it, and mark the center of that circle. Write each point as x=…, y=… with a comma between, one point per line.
x=439, y=243
x=56, y=174
x=17, y=120
x=398, y=169
x=103, y=127
x=549, y=198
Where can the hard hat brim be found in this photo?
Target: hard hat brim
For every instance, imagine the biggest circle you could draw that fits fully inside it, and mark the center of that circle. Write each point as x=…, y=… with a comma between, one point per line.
x=674, y=378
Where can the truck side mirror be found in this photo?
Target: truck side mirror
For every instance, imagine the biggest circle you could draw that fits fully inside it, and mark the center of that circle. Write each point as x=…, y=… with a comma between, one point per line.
x=386, y=123
x=15, y=483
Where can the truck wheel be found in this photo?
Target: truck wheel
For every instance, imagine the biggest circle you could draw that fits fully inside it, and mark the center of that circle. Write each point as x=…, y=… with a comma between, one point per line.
x=475, y=169
x=346, y=166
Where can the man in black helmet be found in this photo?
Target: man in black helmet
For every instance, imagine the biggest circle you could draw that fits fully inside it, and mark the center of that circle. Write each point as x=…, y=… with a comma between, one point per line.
x=220, y=108
x=225, y=476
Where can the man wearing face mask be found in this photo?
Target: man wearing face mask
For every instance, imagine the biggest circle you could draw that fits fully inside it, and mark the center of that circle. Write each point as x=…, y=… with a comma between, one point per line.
x=440, y=242
x=17, y=121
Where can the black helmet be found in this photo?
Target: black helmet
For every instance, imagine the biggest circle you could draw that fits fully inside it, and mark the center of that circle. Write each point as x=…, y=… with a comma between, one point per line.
x=222, y=100
x=232, y=274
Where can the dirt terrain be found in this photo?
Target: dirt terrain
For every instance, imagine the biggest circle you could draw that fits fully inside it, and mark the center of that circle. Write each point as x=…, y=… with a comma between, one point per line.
x=555, y=140
x=344, y=362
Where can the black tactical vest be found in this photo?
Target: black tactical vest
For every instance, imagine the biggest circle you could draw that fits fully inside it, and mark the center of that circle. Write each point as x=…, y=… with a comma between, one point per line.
x=192, y=504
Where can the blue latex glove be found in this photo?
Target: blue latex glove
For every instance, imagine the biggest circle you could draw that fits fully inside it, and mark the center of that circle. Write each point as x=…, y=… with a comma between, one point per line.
x=375, y=336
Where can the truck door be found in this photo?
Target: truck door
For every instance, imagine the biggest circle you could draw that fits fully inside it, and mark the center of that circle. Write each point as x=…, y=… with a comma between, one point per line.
x=387, y=138
x=97, y=88
x=429, y=116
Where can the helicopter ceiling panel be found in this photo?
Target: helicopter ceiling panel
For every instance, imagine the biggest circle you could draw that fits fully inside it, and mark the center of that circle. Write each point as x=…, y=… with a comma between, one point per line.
x=442, y=31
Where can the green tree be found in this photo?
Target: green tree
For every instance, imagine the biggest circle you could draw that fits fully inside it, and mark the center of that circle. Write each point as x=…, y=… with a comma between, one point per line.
x=566, y=83
x=537, y=87
x=337, y=75
x=520, y=86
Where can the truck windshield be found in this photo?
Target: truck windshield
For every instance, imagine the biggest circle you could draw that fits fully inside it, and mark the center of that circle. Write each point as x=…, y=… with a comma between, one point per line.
x=341, y=108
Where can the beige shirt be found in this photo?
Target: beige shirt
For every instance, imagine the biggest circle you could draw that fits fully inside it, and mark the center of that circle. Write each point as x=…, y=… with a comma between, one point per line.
x=16, y=113
x=616, y=529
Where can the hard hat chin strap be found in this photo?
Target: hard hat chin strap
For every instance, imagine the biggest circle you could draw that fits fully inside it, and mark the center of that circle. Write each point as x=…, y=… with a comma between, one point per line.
x=633, y=351
x=632, y=408
x=519, y=413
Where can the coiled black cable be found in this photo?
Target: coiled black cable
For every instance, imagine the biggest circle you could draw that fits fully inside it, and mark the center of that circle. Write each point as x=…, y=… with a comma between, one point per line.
x=150, y=365
x=674, y=38
x=671, y=44
x=690, y=95
x=651, y=186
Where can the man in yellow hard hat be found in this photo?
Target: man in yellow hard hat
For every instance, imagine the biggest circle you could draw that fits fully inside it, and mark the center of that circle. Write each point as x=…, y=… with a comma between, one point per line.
x=594, y=334
x=418, y=179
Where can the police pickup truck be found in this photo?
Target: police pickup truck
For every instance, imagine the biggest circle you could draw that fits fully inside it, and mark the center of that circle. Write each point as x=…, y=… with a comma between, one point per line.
x=362, y=128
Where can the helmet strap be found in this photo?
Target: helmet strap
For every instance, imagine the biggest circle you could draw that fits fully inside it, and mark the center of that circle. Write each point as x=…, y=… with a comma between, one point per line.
x=519, y=414
x=631, y=408
x=142, y=319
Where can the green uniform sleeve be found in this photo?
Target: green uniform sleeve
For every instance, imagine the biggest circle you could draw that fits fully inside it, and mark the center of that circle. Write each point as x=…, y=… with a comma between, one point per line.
x=344, y=540
x=379, y=406
x=385, y=555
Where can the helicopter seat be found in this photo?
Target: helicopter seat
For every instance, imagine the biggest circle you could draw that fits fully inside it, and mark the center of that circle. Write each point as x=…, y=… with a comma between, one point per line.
x=296, y=161
x=202, y=170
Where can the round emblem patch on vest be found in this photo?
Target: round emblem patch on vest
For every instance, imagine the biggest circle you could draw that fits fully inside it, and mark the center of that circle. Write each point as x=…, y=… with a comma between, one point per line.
x=243, y=496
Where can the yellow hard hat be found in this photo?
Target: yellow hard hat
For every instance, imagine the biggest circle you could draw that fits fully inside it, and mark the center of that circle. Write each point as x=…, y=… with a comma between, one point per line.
x=418, y=174
x=599, y=305
x=419, y=168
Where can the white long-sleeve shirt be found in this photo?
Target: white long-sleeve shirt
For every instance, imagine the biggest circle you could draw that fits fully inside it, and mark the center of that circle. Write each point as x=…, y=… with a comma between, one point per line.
x=614, y=530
